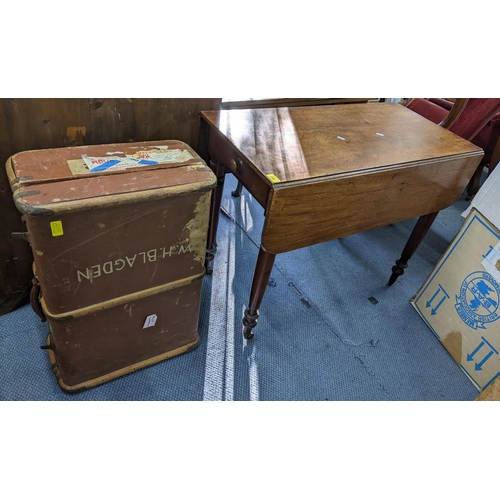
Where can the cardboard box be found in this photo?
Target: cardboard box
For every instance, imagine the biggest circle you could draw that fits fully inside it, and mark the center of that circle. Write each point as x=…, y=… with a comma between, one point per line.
x=460, y=300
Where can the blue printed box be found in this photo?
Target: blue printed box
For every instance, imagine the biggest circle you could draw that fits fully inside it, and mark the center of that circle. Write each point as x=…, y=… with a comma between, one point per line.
x=460, y=300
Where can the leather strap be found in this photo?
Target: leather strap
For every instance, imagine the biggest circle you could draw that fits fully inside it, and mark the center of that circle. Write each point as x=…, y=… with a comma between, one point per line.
x=35, y=299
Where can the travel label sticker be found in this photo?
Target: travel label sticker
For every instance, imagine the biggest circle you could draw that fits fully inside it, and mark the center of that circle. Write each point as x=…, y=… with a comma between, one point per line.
x=160, y=155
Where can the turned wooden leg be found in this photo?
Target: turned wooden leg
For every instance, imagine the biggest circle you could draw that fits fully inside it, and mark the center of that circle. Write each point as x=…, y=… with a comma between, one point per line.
x=213, y=221
x=237, y=192
x=474, y=183
x=265, y=262
x=416, y=237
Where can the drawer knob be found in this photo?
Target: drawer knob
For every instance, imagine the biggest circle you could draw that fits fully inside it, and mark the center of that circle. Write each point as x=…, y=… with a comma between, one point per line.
x=236, y=166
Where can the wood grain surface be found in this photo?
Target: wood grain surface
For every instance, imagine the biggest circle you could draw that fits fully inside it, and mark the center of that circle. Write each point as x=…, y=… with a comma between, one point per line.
x=307, y=214
x=325, y=172
x=306, y=142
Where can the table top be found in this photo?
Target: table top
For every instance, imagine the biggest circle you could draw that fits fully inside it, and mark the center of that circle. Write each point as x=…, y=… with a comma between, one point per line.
x=301, y=143
x=326, y=172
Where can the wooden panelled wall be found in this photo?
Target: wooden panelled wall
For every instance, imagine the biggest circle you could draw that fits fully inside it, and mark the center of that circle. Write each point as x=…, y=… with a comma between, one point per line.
x=27, y=124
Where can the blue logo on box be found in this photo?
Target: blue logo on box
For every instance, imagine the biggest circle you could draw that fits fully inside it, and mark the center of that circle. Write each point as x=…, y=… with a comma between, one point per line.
x=477, y=304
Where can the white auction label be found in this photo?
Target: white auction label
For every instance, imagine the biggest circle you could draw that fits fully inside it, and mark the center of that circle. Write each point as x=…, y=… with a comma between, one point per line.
x=150, y=321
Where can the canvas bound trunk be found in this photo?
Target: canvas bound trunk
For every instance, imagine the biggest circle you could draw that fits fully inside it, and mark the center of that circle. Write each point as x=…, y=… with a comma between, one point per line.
x=118, y=234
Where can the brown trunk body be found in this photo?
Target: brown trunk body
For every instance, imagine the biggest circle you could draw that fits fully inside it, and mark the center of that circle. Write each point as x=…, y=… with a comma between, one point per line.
x=119, y=254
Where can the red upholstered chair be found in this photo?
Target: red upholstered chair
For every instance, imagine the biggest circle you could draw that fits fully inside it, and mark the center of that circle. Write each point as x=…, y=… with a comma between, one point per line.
x=467, y=118
x=487, y=138
x=435, y=110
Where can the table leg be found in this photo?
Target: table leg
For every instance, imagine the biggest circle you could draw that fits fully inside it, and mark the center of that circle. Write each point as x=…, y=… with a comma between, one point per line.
x=420, y=230
x=237, y=192
x=265, y=262
x=473, y=186
x=213, y=223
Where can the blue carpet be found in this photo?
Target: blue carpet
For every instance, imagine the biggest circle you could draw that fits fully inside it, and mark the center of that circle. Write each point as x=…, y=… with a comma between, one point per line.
x=321, y=336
